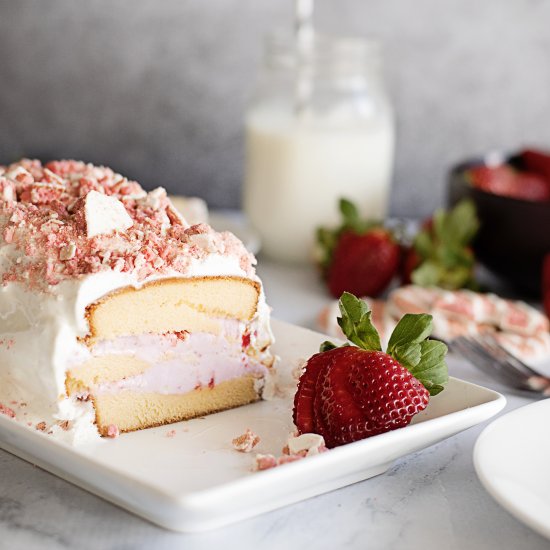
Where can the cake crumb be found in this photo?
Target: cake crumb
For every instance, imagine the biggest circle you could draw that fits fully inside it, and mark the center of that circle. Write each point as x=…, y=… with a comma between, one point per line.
x=41, y=426
x=65, y=425
x=113, y=431
x=265, y=462
x=297, y=447
x=245, y=442
x=269, y=386
x=10, y=413
x=307, y=444
x=171, y=433
x=298, y=369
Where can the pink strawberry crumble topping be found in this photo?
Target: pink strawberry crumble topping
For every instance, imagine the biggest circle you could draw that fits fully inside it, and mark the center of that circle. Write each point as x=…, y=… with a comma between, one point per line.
x=67, y=219
x=7, y=411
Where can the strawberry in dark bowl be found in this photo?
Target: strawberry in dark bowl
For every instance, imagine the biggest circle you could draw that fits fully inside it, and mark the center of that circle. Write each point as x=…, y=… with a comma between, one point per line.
x=512, y=199
x=356, y=391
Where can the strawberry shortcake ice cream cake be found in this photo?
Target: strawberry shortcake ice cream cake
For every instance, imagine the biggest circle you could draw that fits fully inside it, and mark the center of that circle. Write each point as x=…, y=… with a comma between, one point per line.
x=115, y=313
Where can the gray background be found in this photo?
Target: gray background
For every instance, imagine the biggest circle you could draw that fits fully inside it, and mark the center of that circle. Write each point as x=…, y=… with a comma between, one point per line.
x=157, y=89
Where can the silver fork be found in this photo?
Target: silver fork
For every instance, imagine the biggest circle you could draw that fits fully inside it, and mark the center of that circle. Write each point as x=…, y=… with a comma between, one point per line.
x=494, y=360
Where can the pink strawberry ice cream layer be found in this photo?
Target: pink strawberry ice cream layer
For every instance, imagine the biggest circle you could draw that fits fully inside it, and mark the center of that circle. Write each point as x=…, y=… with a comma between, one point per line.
x=183, y=362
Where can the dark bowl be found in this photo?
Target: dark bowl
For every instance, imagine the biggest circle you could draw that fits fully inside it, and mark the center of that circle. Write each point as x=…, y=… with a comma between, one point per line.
x=514, y=235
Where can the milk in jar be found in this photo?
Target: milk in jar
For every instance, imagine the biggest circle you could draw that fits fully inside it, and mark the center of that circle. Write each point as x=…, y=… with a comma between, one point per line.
x=301, y=158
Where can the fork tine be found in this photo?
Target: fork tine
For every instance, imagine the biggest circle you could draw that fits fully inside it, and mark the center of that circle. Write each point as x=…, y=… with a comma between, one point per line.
x=491, y=341
x=496, y=361
x=479, y=357
x=501, y=362
x=533, y=380
x=479, y=362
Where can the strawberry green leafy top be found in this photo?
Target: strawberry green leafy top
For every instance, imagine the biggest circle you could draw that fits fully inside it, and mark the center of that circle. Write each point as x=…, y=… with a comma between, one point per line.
x=446, y=258
x=408, y=344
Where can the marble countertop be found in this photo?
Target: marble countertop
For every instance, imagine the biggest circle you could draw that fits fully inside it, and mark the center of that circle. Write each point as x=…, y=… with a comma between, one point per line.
x=427, y=500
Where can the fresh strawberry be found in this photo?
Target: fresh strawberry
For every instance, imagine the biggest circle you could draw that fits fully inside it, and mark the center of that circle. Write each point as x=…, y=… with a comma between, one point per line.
x=363, y=264
x=506, y=181
x=360, y=256
x=441, y=254
x=532, y=187
x=537, y=162
x=349, y=393
x=546, y=284
x=303, y=410
x=499, y=180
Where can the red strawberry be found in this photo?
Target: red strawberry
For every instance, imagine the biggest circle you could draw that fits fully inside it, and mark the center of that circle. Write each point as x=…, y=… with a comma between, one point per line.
x=532, y=187
x=363, y=264
x=360, y=256
x=303, y=410
x=367, y=393
x=493, y=179
x=349, y=393
x=508, y=182
x=537, y=162
x=546, y=284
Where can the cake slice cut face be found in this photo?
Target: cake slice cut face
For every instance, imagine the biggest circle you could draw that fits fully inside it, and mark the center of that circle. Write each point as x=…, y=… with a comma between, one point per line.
x=171, y=350
x=120, y=316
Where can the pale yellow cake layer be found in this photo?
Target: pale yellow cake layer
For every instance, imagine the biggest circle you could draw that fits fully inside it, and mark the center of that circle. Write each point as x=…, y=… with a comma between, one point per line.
x=173, y=305
x=131, y=411
x=98, y=370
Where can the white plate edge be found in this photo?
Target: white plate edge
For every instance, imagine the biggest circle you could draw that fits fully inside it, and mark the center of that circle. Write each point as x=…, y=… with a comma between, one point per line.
x=508, y=505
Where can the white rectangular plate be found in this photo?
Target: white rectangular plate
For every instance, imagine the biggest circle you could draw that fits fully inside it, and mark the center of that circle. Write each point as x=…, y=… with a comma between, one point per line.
x=194, y=480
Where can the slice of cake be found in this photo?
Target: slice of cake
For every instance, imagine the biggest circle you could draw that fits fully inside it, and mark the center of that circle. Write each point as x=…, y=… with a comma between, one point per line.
x=115, y=314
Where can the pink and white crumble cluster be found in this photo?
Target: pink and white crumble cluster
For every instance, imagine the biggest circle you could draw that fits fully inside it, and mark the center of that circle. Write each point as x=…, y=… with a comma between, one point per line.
x=245, y=442
x=296, y=448
x=520, y=328
x=30, y=420
x=66, y=219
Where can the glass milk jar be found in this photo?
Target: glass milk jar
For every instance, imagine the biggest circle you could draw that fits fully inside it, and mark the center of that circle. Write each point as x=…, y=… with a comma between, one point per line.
x=318, y=129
